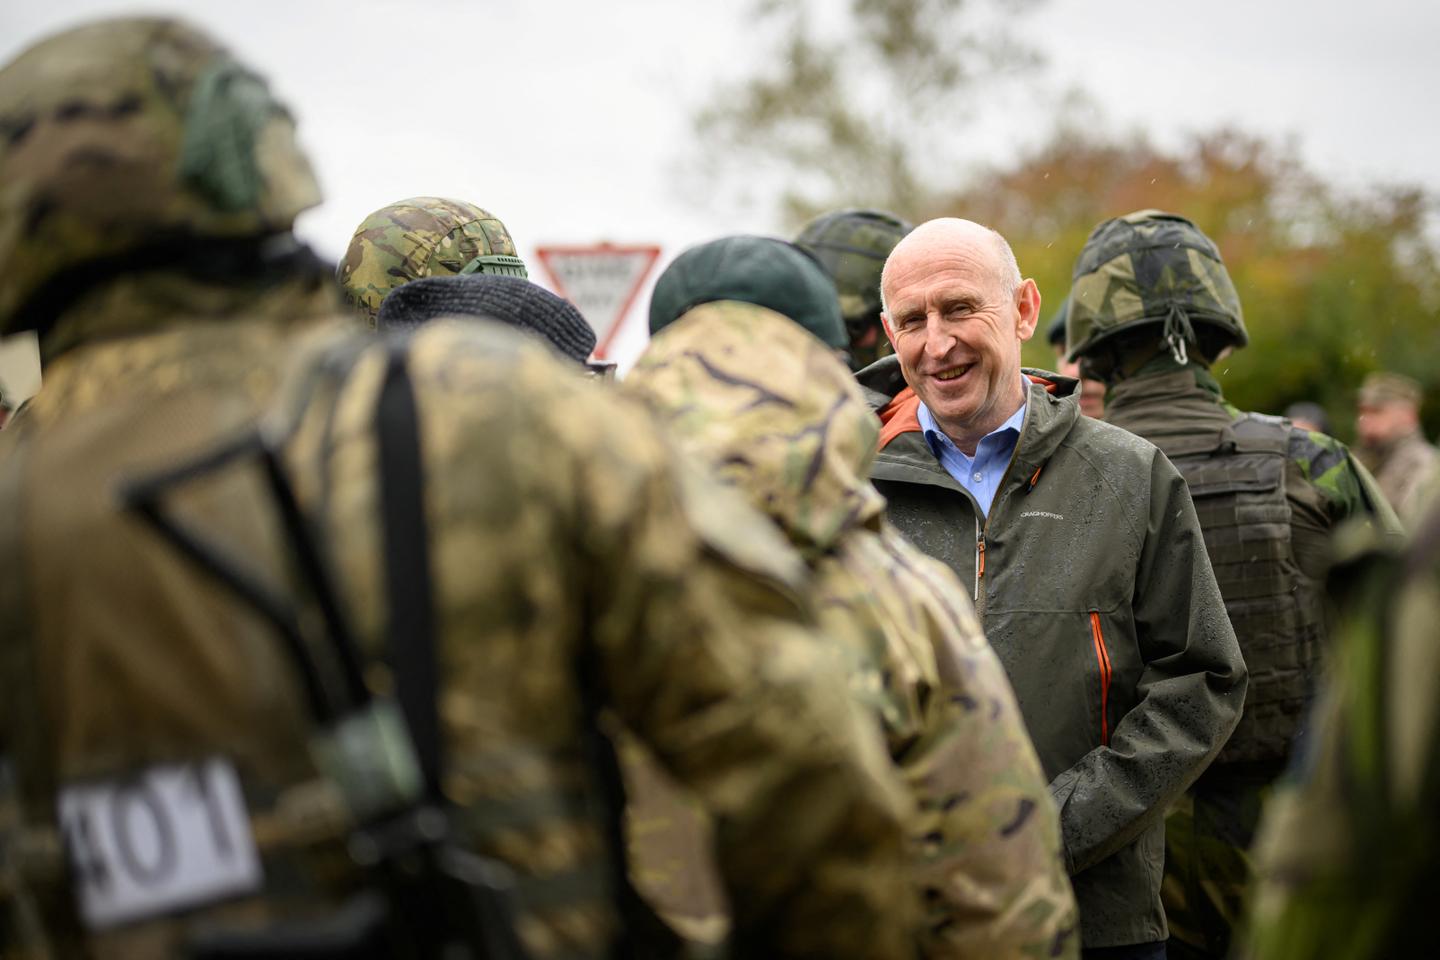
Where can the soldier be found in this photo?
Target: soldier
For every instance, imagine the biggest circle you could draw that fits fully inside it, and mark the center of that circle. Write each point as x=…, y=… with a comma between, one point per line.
x=206, y=665
x=422, y=237
x=1082, y=548
x=852, y=246
x=1151, y=308
x=1388, y=428
x=767, y=404
x=1348, y=855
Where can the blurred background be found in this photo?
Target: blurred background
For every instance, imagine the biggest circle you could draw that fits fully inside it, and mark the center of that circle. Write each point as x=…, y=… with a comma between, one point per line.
x=1300, y=134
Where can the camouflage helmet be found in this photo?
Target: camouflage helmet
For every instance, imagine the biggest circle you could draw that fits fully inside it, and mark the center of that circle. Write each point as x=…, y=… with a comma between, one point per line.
x=852, y=246
x=1151, y=267
x=423, y=237
x=125, y=139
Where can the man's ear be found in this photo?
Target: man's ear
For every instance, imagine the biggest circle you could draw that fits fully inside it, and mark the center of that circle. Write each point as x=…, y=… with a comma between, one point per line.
x=1027, y=305
x=889, y=333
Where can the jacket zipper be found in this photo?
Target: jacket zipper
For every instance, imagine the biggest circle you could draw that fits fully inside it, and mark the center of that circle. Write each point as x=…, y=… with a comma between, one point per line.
x=1102, y=657
x=981, y=528
x=979, y=560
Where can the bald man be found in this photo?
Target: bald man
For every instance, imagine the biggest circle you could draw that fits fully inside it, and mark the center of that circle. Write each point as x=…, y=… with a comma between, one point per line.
x=1088, y=566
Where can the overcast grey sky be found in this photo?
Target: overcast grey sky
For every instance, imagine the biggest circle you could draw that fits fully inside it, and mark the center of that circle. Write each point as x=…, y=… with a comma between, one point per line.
x=567, y=118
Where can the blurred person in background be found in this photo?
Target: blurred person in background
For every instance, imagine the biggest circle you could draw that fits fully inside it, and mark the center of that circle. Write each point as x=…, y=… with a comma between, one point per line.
x=1092, y=392
x=852, y=246
x=1387, y=425
x=1308, y=416
x=1151, y=308
x=1348, y=853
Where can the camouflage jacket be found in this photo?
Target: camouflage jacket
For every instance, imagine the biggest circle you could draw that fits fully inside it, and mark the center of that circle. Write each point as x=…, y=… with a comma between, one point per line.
x=1348, y=857
x=782, y=421
x=564, y=533
x=1403, y=470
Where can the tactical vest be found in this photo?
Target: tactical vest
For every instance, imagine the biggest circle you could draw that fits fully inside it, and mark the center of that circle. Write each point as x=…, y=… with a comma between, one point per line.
x=1237, y=480
x=114, y=868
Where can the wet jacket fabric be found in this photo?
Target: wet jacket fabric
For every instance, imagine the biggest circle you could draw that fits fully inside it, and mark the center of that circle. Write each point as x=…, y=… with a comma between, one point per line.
x=1092, y=584
x=563, y=532
x=1269, y=497
x=782, y=421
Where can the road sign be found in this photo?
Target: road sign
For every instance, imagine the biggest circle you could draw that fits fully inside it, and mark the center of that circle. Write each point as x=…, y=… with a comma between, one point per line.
x=602, y=280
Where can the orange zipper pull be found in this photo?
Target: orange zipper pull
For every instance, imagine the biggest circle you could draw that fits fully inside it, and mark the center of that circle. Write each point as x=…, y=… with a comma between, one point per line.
x=980, y=554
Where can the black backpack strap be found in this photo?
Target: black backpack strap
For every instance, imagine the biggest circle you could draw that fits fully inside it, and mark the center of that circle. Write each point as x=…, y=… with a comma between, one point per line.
x=410, y=633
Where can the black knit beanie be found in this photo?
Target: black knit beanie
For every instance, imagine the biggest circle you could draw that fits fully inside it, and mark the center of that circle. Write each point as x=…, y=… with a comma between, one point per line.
x=510, y=300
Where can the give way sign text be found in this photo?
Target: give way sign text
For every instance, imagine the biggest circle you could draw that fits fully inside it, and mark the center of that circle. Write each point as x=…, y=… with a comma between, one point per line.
x=601, y=279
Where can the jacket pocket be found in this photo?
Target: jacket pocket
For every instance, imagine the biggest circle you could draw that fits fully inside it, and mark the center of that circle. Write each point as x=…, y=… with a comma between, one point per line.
x=1102, y=660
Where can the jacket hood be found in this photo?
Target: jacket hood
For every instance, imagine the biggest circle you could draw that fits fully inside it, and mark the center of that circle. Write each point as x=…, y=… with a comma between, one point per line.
x=773, y=410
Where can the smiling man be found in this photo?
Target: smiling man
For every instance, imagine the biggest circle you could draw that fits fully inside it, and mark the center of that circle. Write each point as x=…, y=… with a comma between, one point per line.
x=1088, y=566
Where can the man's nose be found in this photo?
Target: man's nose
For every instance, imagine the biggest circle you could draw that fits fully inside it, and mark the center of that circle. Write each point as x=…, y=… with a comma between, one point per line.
x=938, y=339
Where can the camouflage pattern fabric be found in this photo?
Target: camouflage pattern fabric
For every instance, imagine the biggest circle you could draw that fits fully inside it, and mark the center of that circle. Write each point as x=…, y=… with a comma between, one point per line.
x=1208, y=867
x=123, y=135
x=422, y=237
x=561, y=523
x=779, y=418
x=1150, y=267
x=1348, y=858
x=852, y=246
x=119, y=653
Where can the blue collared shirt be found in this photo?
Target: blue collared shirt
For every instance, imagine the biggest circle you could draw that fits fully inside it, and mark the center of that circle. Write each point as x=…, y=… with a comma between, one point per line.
x=980, y=474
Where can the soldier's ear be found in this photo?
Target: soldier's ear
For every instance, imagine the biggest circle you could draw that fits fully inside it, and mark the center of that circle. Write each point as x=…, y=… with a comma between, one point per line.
x=1027, y=306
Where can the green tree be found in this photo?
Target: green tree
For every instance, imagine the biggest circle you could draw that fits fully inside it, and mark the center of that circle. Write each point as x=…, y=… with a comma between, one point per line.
x=1334, y=283
x=858, y=105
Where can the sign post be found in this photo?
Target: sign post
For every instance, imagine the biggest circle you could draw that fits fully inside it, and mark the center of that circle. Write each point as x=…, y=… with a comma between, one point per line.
x=602, y=280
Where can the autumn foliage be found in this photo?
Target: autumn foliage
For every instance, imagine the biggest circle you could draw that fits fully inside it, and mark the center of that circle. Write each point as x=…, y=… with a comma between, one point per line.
x=1334, y=283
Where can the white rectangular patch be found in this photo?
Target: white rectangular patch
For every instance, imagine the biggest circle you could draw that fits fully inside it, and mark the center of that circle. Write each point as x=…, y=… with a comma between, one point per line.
x=171, y=838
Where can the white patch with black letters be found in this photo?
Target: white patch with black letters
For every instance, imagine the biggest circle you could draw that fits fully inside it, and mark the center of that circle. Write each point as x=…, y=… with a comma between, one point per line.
x=170, y=838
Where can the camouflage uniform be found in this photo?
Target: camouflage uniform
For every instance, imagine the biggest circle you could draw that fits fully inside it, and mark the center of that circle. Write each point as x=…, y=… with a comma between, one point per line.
x=774, y=411
x=1150, y=304
x=422, y=237
x=1348, y=855
x=852, y=246
x=565, y=534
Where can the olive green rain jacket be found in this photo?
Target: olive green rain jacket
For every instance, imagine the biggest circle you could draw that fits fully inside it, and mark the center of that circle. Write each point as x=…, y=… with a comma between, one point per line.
x=781, y=420
x=1093, y=585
